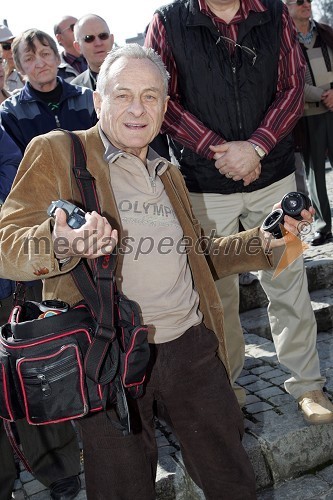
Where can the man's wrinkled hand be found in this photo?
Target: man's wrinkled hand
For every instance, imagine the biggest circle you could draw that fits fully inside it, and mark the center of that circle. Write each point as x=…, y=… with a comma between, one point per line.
x=327, y=98
x=237, y=160
x=94, y=239
x=253, y=176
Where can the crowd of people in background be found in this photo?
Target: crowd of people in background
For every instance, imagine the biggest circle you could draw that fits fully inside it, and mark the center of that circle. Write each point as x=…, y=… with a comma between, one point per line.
x=236, y=150
x=36, y=79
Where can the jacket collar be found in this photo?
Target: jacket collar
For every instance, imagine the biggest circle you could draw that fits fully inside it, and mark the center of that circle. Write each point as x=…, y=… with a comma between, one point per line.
x=27, y=94
x=326, y=32
x=85, y=79
x=112, y=153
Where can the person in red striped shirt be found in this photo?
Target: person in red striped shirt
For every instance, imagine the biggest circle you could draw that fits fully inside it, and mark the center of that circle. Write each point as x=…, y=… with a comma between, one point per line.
x=236, y=92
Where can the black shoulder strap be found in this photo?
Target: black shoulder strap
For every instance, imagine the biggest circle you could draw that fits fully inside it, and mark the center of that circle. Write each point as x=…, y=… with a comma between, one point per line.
x=97, y=285
x=95, y=282
x=84, y=179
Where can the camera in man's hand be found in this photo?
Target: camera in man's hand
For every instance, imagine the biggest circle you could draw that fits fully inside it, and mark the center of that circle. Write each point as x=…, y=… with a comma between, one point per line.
x=75, y=216
x=292, y=204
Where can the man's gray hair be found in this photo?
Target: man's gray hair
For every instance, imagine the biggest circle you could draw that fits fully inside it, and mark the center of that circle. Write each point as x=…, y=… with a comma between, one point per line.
x=130, y=51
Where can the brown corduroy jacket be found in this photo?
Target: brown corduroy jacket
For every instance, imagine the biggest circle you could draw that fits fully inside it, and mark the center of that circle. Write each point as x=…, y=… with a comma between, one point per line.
x=45, y=175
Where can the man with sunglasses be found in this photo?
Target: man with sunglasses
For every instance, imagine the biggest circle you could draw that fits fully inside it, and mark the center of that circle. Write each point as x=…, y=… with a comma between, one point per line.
x=236, y=92
x=316, y=40
x=92, y=38
x=13, y=79
x=72, y=63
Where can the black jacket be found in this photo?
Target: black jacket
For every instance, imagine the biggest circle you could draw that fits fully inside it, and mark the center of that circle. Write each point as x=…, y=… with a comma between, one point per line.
x=326, y=33
x=229, y=95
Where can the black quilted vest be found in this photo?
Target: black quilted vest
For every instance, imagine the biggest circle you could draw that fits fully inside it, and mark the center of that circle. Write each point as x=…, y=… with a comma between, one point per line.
x=230, y=96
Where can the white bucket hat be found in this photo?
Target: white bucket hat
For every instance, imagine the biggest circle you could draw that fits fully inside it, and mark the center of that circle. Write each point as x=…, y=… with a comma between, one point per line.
x=5, y=34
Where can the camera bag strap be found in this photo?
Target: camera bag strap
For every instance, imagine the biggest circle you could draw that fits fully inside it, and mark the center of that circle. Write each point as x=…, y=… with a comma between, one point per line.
x=15, y=445
x=96, y=283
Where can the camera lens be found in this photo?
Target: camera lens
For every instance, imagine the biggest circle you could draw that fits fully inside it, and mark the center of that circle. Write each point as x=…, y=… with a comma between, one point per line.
x=272, y=223
x=293, y=203
x=57, y=305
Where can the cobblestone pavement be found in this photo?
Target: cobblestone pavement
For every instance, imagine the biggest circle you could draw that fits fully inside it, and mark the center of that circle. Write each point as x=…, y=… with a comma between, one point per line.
x=268, y=407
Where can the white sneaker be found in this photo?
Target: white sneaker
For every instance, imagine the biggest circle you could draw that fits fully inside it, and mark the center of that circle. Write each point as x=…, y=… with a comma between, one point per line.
x=316, y=407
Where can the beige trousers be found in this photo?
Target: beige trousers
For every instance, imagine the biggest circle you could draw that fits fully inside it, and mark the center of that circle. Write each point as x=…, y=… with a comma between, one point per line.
x=291, y=317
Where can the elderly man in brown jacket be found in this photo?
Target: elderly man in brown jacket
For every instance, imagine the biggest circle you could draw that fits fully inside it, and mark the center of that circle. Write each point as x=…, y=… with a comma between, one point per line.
x=142, y=197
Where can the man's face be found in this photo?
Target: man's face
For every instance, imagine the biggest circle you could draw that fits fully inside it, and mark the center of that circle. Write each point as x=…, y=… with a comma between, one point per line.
x=40, y=67
x=6, y=52
x=66, y=36
x=132, y=112
x=300, y=13
x=89, y=44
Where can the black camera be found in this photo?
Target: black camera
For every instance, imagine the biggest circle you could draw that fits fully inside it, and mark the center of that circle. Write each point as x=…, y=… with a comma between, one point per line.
x=75, y=215
x=292, y=204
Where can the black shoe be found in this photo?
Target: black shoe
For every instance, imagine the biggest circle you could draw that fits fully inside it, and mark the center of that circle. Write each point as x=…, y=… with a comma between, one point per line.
x=320, y=238
x=65, y=489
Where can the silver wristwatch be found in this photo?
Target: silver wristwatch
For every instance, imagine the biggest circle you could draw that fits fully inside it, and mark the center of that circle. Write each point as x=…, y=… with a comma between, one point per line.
x=260, y=152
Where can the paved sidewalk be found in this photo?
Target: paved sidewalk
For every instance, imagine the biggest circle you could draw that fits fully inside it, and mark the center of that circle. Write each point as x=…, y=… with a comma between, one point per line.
x=280, y=445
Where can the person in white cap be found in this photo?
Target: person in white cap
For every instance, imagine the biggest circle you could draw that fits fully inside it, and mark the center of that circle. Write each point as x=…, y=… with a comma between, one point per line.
x=13, y=79
x=3, y=92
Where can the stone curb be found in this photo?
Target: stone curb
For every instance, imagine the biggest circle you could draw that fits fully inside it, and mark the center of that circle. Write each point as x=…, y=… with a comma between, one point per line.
x=256, y=320
x=319, y=273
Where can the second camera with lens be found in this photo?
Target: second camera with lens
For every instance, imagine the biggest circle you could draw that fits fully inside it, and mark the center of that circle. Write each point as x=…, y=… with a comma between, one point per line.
x=292, y=204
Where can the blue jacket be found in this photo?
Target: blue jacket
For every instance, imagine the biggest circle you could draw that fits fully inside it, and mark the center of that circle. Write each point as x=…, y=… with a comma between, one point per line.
x=25, y=115
x=10, y=157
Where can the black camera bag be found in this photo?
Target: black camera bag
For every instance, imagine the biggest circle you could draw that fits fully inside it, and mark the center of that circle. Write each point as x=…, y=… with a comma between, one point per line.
x=42, y=374
x=84, y=360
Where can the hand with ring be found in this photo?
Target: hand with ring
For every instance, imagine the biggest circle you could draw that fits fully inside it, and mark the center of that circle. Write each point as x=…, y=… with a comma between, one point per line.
x=228, y=175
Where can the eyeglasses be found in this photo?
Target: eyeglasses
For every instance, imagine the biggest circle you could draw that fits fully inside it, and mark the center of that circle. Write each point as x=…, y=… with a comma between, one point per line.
x=299, y=2
x=70, y=27
x=6, y=46
x=247, y=50
x=91, y=38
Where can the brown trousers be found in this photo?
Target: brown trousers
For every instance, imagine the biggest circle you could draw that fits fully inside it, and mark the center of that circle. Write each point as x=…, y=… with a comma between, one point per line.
x=187, y=377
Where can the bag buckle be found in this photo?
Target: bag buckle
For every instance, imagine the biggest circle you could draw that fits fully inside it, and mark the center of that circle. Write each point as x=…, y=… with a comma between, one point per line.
x=105, y=332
